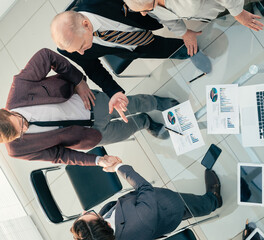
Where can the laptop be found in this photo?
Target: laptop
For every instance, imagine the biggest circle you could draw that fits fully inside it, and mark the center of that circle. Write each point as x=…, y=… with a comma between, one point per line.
x=250, y=182
x=257, y=234
x=251, y=103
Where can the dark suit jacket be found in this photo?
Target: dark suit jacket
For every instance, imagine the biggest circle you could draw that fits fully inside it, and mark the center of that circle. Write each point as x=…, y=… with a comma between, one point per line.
x=32, y=87
x=146, y=213
x=90, y=63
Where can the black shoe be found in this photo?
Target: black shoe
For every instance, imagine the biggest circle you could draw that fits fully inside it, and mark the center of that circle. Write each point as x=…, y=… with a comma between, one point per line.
x=260, y=7
x=165, y=103
x=157, y=129
x=213, y=185
x=181, y=53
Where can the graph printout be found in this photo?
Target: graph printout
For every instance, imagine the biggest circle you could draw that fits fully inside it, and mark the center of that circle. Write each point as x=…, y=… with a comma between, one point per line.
x=181, y=119
x=222, y=109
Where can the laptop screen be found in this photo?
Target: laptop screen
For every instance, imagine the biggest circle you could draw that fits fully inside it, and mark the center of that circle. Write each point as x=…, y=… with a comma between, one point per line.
x=251, y=184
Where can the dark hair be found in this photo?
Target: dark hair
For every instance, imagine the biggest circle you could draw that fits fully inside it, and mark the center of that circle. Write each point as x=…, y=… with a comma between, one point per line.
x=93, y=230
x=7, y=130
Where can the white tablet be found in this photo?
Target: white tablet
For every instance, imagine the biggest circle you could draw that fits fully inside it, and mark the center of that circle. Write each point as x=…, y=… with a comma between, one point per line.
x=250, y=182
x=257, y=234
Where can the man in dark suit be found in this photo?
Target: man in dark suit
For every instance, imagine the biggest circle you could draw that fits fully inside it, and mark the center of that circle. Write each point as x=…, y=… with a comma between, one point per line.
x=73, y=31
x=45, y=120
x=148, y=212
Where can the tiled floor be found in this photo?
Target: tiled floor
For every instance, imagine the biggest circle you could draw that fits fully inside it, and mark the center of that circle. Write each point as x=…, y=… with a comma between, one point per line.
x=231, y=47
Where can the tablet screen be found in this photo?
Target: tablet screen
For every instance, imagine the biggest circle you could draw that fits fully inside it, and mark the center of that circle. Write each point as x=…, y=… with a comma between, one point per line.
x=251, y=184
x=257, y=234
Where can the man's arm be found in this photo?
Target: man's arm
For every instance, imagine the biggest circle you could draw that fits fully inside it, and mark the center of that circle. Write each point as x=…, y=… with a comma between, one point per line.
x=146, y=204
x=96, y=72
x=179, y=28
x=235, y=7
x=43, y=61
x=60, y=154
x=63, y=155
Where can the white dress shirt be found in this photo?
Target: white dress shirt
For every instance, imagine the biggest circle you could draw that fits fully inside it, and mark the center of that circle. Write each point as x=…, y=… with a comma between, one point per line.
x=72, y=109
x=111, y=220
x=201, y=10
x=101, y=24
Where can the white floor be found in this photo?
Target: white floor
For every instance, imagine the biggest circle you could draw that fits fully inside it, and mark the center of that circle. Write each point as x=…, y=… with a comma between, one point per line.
x=25, y=29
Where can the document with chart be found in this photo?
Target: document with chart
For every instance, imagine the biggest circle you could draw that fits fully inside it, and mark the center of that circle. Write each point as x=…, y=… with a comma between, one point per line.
x=222, y=109
x=185, y=133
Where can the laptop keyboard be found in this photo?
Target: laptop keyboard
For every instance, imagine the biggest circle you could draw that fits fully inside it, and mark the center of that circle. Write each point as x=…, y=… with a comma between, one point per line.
x=260, y=106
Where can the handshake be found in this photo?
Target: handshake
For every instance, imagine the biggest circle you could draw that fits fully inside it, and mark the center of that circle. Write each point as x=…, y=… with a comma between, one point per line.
x=108, y=163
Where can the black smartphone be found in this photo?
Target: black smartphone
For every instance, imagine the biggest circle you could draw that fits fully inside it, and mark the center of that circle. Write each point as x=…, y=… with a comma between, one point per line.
x=211, y=156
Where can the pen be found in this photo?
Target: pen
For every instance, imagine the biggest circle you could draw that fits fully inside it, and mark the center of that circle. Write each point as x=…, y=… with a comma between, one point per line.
x=174, y=131
x=197, y=77
x=246, y=227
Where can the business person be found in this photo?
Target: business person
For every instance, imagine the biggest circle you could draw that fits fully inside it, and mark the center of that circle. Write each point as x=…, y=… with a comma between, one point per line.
x=171, y=14
x=148, y=212
x=82, y=36
x=45, y=120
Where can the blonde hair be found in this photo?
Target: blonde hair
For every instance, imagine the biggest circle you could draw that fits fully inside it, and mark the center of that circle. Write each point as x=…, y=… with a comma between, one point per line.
x=64, y=26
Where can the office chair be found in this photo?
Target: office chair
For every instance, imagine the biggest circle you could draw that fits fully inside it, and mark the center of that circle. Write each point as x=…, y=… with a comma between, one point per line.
x=91, y=184
x=187, y=234
x=116, y=65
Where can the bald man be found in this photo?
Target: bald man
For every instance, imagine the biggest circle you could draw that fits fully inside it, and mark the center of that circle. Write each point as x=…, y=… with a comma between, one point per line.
x=78, y=35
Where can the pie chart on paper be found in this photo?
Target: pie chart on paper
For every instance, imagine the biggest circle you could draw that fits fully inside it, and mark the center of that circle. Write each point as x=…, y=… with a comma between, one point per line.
x=171, y=118
x=214, y=95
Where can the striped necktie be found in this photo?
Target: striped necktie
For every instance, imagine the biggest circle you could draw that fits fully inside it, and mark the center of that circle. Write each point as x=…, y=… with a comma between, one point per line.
x=138, y=38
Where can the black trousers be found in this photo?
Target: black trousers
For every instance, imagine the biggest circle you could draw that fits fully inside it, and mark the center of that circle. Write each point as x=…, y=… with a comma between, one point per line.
x=198, y=205
x=163, y=48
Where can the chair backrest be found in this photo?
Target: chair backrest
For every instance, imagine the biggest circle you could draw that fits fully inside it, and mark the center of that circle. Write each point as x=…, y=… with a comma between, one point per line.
x=117, y=64
x=44, y=196
x=71, y=6
x=91, y=184
x=187, y=234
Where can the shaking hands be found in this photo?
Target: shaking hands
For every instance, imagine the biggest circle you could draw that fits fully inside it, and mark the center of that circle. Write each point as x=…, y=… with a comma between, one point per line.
x=108, y=163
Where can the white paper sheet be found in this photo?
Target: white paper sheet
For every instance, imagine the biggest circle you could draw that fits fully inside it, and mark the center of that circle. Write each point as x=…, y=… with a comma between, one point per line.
x=181, y=118
x=222, y=109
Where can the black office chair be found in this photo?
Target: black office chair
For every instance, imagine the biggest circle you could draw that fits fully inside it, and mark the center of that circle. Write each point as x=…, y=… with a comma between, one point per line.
x=91, y=184
x=187, y=234
x=117, y=65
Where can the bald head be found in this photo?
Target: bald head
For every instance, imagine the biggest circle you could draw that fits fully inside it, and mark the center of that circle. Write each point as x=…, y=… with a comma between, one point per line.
x=65, y=26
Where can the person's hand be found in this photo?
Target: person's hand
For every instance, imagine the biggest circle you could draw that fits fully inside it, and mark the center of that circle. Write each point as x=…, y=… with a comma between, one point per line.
x=112, y=167
x=190, y=41
x=108, y=161
x=86, y=94
x=249, y=20
x=119, y=101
